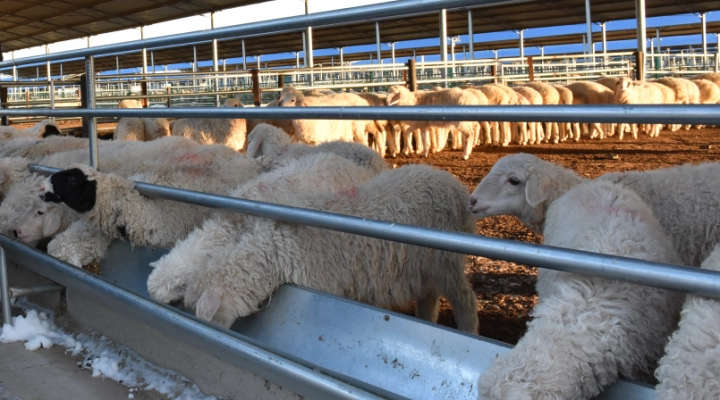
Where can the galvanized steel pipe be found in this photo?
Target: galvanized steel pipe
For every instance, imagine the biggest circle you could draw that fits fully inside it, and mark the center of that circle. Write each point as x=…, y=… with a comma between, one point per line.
x=4, y=289
x=92, y=125
x=705, y=114
x=672, y=277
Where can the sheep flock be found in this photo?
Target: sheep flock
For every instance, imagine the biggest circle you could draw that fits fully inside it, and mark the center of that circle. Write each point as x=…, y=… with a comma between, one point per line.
x=585, y=332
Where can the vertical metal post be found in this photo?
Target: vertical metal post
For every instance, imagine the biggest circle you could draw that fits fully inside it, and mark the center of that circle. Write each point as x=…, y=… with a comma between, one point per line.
x=531, y=69
x=152, y=62
x=62, y=78
x=258, y=62
x=471, y=40
x=144, y=51
x=412, y=75
x=704, y=34
x=48, y=73
x=604, y=41
x=717, y=53
x=641, y=39
x=309, y=54
x=215, y=60
x=52, y=98
x=443, y=45
x=243, y=56
x=4, y=120
x=5, y=289
x=378, y=50
x=117, y=65
x=588, y=25
x=256, y=87
x=342, y=62
x=392, y=52
x=522, y=42
x=90, y=104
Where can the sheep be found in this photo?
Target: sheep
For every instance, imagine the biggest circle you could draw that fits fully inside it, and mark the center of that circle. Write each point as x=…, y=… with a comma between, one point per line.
x=550, y=96
x=284, y=124
x=35, y=149
x=228, y=131
x=232, y=102
x=566, y=97
x=130, y=103
x=629, y=92
x=709, y=91
x=484, y=125
x=379, y=129
x=42, y=129
x=272, y=146
x=314, y=173
x=689, y=369
x=588, y=331
x=320, y=131
x=496, y=95
x=590, y=93
x=80, y=244
x=524, y=185
x=712, y=77
x=234, y=280
x=533, y=97
x=686, y=92
x=399, y=95
x=129, y=129
x=609, y=82
x=513, y=99
x=41, y=220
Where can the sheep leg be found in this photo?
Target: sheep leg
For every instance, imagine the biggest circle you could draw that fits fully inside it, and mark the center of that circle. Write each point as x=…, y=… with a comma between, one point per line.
x=496, y=132
x=427, y=306
x=585, y=333
x=488, y=132
x=426, y=142
x=460, y=294
x=507, y=138
x=468, y=143
x=407, y=146
x=578, y=131
x=417, y=134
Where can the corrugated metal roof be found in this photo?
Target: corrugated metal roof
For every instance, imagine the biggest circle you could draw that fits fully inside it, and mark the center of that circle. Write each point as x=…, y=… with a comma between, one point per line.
x=29, y=23
x=534, y=14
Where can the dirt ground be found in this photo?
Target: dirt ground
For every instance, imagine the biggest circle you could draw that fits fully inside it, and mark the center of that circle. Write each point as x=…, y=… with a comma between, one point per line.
x=506, y=291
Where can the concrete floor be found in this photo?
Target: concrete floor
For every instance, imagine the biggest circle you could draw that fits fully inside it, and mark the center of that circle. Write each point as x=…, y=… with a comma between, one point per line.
x=47, y=374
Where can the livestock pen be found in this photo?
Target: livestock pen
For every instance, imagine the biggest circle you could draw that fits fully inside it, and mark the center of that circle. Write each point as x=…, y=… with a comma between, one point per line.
x=292, y=343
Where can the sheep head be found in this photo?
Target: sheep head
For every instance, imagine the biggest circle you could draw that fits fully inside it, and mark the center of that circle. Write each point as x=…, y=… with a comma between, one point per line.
x=51, y=130
x=41, y=220
x=521, y=185
x=74, y=187
x=400, y=96
x=292, y=99
x=623, y=91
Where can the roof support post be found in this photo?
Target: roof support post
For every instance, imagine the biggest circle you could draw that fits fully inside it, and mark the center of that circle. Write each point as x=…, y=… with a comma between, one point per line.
x=341, y=56
x=522, y=42
x=471, y=40
x=604, y=42
x=243, y=56
x=47, y=64
x=392, y=52
x=309, y=54
x=443, y=45
x=117, y=65
x=641, y=40
x=588, y=24
x=144, y=51
x=14, y=68
x=215, y=59
x=704, y=33
x=378, y=50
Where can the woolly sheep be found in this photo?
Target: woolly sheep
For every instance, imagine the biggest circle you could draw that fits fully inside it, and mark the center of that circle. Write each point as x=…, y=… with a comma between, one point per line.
x=629, y=92
x=712, y=77
x=130, y=103
x=322, y=130
x=314, y=173
x=550, y=95
x=587, y=331
x=232, y=102
x=484, y=125
x=690, y=369
x=41, y=220
x=42, y=129
x=590, y=93
x=379, y=129
x=284, y=124
x=228, y=131
x=234, y=280
x=130, y=129
x=273, y=147
x=400, y=95
x=496, y=95
x=525, y=186
x=532, y=132
x=35, y=149
x=709, y=91
x=609, y=82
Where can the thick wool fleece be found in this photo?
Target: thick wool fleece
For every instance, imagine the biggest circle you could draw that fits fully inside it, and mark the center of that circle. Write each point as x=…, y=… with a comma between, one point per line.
x=588, y=331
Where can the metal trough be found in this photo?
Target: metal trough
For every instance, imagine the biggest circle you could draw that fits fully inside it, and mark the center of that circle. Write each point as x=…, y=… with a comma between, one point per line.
x=303, y=342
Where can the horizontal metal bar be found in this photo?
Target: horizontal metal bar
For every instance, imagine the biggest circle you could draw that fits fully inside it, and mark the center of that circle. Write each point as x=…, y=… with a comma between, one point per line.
x=705, y=114
x=26, y=291
x=329, y=18
x=223, y=344
x=38, y=83
x=665, y=276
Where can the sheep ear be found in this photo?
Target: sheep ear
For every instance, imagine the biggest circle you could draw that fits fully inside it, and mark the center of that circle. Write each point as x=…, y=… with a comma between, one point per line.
x=51, y=223
x=253, y=150
x=537, y=189
x=393, y=98
x=208, y=303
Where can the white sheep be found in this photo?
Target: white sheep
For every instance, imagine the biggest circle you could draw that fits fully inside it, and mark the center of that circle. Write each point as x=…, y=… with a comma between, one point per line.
x=129, y=129
x=497, y=95
x=234, y=280
x=130, y=103
x=550, y=96
x=590, y=93
x=629, y=92
x=525, y=186
x=587, y=331
x=690, y=368
x=531, y=132
x=42, y=129
x=272, y=147
x=314, y=173
x=379, y=129
x=566, y=97
x=228, y=131
x=400, y=95
x=325, y=130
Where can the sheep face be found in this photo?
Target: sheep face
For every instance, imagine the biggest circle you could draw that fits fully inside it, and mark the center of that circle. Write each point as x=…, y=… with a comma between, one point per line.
x=623, y=91
x=72, y=187
x=400, y=96
x=512, y=188
x=40, y=221
x=292, y=99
